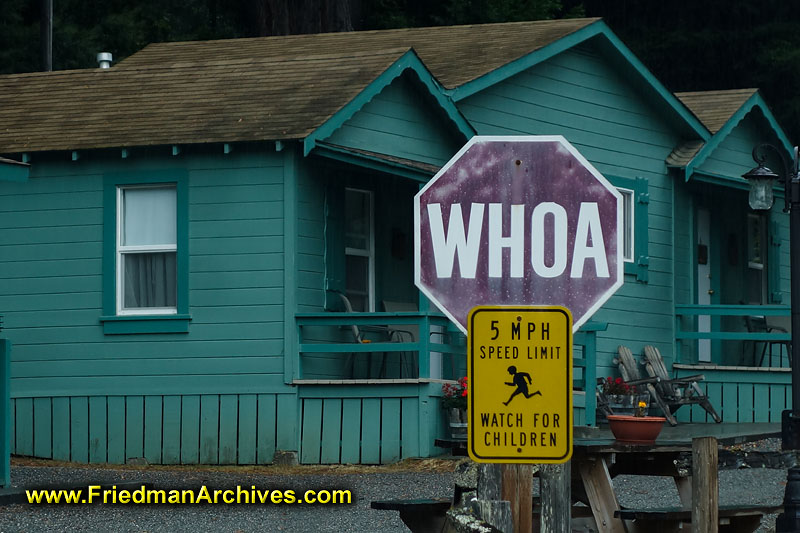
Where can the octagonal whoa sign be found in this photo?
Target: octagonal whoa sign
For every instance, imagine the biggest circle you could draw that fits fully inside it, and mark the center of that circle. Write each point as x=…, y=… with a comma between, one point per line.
x=518, y=221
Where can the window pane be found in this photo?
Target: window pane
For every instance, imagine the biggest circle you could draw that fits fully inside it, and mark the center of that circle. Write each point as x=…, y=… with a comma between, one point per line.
x=149, y=216
x=627, y=224
x=149, y=280
x=357, y=212
x=357, y=276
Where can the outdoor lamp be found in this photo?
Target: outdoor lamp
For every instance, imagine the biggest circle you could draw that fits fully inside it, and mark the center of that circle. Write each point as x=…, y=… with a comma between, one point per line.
x=761, y=179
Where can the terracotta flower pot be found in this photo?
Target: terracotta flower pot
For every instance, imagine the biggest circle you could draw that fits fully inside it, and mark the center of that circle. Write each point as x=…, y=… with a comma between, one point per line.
x=636, y=429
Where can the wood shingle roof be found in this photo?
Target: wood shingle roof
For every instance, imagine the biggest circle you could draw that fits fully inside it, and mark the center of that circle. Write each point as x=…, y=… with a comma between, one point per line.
x=267, y=88
x=455, y=55
x=715, y=108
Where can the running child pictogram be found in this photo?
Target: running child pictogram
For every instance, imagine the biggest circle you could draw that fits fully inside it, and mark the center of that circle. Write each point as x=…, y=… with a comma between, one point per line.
x=521, y=380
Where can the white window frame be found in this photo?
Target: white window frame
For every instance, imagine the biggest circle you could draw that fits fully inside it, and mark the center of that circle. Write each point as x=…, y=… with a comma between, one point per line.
x=370, y=253
x=122, y=250
x=628, y=196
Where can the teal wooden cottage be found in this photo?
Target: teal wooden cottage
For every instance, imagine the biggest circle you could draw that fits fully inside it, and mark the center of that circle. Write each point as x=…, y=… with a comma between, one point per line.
x=207, y=256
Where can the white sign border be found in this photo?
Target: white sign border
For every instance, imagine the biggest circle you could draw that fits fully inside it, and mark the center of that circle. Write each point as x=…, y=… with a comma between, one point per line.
x=519, y=139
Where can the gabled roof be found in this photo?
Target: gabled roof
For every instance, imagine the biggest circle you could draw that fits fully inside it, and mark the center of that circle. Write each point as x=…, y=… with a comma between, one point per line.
x=455, y=55
x=289, y=87
x=224, y=101
x=715, y=108
x=720, y=111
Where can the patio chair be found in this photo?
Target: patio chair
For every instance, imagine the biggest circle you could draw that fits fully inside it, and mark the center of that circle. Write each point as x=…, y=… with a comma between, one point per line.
x=760, y=324
x=389, y=333
x=629, y=370
x=403, y=333
x=671, y=394
x=358, y=335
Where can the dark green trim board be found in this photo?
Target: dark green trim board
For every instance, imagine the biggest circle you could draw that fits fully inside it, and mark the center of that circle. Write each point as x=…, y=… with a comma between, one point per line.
x=755, y=101
x=334, y=259
x=408, y=61
x=116, y=325
x=372, y=163
x=599, y=30
x=290, y=213
x=5, y=408
x=119, y=325
x=13, y=170
x=641, y=203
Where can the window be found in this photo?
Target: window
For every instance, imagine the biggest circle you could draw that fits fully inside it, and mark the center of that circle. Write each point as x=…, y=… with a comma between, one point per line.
x=359, y=250
x=627, y=224
x=635, y=243
x=146, y=253
x=146, y=250
x=757, y=282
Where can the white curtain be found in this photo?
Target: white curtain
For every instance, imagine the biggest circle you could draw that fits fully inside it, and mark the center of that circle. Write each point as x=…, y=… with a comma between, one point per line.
x=150, y=280
x=150, y=216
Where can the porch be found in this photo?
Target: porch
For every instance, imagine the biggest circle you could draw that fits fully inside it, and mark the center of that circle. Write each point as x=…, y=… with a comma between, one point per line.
x=748, y=373
x=377, y=400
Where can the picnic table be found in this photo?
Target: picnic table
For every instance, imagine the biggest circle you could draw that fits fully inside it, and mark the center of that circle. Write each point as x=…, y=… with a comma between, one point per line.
x=597, y=458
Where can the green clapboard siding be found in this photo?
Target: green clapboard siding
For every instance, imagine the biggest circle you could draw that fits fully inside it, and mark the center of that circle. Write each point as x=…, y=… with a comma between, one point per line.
x=51, y=241
x=579, y=95
x=208, y=395
x=399, y=122
x=733, y=156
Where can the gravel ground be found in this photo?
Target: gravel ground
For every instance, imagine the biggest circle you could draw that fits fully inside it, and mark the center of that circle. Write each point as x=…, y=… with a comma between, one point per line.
x=367, y=484
x=414, y=479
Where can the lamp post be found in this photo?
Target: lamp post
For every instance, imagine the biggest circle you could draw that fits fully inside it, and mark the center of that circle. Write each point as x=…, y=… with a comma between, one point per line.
x=760, y=179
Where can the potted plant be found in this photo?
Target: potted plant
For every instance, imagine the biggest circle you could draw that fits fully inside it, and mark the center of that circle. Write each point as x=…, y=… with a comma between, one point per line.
x=622, y=398
x=638, y=428
x=454, y=401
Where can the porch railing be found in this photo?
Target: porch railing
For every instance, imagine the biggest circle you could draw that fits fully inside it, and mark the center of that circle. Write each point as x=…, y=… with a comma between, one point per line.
x=693, y=311
x=435, y=335
x=585, y=369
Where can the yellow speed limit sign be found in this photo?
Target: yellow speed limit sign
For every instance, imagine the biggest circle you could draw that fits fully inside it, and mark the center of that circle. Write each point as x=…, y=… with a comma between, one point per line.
x=520, y=377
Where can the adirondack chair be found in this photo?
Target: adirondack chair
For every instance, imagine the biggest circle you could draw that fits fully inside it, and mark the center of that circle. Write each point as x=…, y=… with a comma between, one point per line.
x=671, y=394
x=629, y=370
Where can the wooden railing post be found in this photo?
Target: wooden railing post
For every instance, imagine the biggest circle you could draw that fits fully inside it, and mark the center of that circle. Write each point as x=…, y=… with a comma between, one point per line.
x=590, y=373
x=425, y=346
x=705, y=485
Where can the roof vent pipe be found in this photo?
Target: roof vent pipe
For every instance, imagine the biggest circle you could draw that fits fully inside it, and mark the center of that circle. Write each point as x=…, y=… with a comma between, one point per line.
x=104, y=59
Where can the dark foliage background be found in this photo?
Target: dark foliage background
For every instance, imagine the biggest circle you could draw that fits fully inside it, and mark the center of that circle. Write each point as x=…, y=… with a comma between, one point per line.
x=689, y=45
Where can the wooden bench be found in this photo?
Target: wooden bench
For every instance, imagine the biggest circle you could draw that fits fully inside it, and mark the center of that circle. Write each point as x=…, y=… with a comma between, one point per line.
x=458, y=447
x=732, y=518
x=420, y=516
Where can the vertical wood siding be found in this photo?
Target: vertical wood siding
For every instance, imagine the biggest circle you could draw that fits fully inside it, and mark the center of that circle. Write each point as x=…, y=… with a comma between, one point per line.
x=369, y=425
x=578, y=95
x=207, y=429
x=741, y=395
